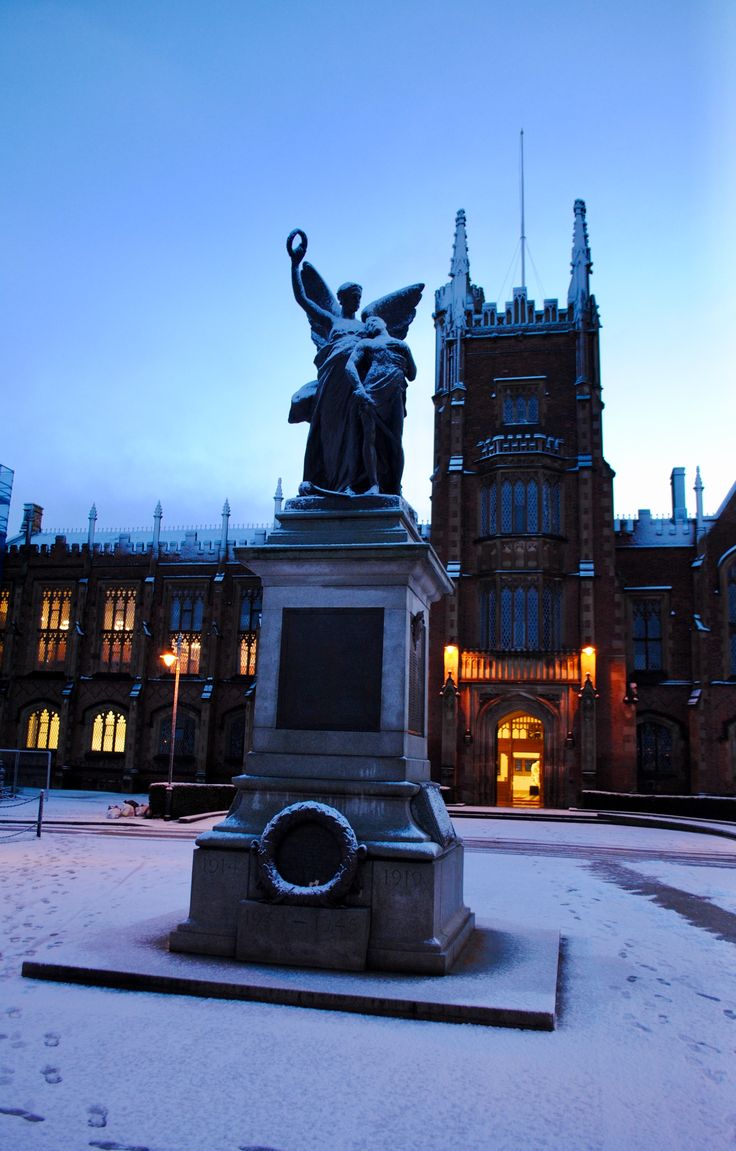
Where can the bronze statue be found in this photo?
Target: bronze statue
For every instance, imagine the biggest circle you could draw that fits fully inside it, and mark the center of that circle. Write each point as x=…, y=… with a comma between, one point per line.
x=356, y=406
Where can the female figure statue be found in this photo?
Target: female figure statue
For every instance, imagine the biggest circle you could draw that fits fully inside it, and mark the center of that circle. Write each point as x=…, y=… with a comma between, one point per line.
x=338, y=458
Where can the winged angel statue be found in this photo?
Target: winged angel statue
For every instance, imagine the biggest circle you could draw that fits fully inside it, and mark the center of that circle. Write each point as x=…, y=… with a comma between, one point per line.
x=356, y=406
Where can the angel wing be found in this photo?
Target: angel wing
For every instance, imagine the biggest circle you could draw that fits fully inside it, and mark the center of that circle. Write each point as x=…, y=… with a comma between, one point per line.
x=398, y=309
x=317, y=291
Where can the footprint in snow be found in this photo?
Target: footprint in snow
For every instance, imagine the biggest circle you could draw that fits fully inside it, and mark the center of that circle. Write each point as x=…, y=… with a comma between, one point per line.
x=51, y=1074
x=97, y=1115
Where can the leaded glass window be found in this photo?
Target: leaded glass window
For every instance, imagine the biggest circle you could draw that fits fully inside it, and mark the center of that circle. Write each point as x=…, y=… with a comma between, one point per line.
x=53, y=627
x=488, y=514
x=551, y=617
x=4, y=606
x=647, y=634
x=186, y=614
x=187, y=611
x=519, y=507
x=506, y=507
x=108, y=731
x=532, y=519
x=520, y=405
x=654, y=749
x=42, y=729
x=117, y=629
x=251, y=606
x=551, y=517
x=521, y=616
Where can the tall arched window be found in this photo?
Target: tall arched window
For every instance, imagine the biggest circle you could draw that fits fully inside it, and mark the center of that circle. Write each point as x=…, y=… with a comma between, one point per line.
x=551, y=516
x=108, y=731
x=661, y=755
x=42, y=729
x=186, y=734
x=488, y=515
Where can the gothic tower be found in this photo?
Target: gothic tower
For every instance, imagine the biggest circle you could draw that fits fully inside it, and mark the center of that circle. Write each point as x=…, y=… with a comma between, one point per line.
x=531, y=647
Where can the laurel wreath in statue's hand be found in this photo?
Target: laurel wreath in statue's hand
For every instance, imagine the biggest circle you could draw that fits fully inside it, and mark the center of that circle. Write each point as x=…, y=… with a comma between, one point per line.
x=296, y=253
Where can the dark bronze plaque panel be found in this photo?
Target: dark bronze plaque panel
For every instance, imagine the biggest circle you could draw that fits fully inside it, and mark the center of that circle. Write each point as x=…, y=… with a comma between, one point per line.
x=417, y=668
x=330, y=669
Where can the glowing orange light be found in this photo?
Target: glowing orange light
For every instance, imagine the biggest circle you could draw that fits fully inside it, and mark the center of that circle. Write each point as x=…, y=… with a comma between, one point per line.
x=587, y=663
x=452, y=661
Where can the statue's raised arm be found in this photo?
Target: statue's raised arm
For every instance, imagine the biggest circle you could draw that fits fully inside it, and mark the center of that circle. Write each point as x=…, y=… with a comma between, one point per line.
x=310, y=290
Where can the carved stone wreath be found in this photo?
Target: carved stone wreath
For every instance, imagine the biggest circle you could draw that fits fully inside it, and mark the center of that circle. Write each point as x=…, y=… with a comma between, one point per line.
x=297, y=818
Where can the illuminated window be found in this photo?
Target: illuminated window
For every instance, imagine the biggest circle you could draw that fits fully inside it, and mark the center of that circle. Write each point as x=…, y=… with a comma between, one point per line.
x=117, y=629
x=186, y=735
x=108, y=731
x=647, y=634
x=4, y=607
x=42, y=730
x=53, y=627
x=249, y=622
x=185, y=620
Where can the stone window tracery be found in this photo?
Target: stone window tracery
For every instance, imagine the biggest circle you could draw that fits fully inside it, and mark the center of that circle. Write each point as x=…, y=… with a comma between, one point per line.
x=519, y=615
x=186, y=616
x=118, y=622
x=108, y=731
x=4, y=609
x=42, y=729
x=647, y=634
x=251, y=606
x=53, y=627
x=520, y=505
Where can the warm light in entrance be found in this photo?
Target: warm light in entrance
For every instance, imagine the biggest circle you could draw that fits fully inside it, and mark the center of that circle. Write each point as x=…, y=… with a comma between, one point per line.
x=452, y=660
x=587, y=664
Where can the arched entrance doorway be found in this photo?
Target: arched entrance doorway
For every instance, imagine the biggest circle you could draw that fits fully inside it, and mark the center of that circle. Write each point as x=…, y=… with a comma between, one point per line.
x=519, y=761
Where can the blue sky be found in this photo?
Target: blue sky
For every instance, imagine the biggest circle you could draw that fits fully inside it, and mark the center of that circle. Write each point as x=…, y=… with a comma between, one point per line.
x=156, y=154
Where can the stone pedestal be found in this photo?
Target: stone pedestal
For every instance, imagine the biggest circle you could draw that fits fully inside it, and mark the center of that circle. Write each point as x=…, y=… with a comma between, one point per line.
x=338, y=759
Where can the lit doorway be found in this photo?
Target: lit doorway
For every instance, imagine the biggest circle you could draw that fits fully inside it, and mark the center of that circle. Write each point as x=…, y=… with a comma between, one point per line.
x=519, y=761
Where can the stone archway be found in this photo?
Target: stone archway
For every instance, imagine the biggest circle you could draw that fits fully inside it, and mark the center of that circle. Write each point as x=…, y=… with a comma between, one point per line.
x=519, y=760
x=526, y=730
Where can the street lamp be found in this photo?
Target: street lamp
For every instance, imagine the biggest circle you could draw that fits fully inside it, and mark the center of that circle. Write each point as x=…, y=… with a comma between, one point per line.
x=172, y=659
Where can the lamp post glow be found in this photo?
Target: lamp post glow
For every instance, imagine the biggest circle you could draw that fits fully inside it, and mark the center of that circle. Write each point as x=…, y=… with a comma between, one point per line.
x=172, y=659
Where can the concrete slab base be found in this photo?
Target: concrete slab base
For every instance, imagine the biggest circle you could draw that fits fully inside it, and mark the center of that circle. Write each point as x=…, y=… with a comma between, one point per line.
x=505, y=977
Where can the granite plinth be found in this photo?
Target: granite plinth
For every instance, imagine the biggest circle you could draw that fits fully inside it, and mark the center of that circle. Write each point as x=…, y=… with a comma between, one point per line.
x=506, y=976
x=340, y=721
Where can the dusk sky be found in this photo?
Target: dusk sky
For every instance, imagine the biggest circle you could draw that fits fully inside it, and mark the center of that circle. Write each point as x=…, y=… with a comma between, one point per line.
x=156, y=153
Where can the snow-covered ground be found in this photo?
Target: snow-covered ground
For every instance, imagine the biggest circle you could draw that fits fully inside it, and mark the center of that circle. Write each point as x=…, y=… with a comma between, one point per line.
x=644, y=1056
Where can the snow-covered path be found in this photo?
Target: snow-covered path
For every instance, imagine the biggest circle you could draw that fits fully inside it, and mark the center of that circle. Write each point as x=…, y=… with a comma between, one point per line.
x=644, y=1056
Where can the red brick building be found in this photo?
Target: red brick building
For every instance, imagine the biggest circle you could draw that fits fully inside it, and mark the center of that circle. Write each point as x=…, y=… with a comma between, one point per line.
x=577, y=653
x=84, y=619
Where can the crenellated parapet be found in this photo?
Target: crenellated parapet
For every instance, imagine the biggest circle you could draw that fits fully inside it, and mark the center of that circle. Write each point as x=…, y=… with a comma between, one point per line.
x=520, y=443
